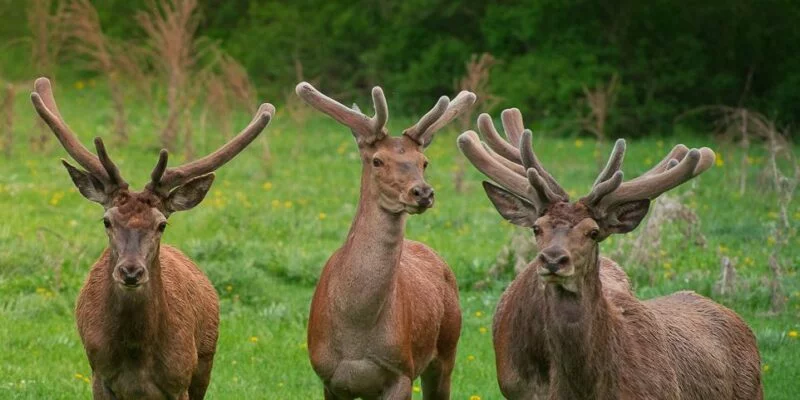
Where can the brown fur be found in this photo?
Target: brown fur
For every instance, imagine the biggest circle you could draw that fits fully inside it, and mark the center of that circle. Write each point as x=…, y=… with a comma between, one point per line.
x=386, y=309
x=157, y=341
x=586, y=336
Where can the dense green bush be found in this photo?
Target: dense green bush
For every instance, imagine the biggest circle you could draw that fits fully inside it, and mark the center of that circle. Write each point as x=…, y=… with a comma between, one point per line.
x=670, y=57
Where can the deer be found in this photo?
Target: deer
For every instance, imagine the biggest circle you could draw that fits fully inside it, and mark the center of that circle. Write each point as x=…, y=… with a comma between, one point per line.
x=385, y=310
x=569, y=326
x=147, y=316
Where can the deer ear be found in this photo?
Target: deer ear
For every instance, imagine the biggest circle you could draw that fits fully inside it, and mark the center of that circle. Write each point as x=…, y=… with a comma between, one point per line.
x=190, y=194
x=512, y=208
x=89, y=186
x=625, y=217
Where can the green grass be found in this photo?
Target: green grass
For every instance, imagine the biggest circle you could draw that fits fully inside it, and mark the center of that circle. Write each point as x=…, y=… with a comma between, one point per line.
x=264, y=232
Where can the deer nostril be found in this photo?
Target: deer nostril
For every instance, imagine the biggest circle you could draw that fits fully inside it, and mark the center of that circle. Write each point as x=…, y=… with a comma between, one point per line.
x=131, y=274
x=415, y=191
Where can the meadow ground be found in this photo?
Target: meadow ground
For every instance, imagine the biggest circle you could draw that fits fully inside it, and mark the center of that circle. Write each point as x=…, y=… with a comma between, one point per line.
x=265, y=230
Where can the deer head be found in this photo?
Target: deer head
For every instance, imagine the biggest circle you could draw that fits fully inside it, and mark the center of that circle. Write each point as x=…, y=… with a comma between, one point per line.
x=393, y=167
x=568, y=233
x=134, y=221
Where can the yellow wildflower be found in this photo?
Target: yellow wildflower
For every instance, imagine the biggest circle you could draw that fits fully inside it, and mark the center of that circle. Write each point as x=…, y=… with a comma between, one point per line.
x=793, y=334
x=765, y=368
x=267, y=186
x=478, y=314
x=78, y=375
x=578, y=143
x=287, y=204
x=470, y=358
x=322, y=216
x=253, y=339
x=80, y=85
x=416, y=389
x=483, y=330
x=228, y=288
x=719, y=161
x=648, y=161
x=474, y=397
x=275, y=203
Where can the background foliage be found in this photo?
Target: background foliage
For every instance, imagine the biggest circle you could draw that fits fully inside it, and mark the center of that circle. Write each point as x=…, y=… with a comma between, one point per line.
x=670, y=56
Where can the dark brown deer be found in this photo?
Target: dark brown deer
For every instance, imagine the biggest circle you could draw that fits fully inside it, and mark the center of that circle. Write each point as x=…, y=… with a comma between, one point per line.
x=147, y=316
x=386, y=309
x=569, y=326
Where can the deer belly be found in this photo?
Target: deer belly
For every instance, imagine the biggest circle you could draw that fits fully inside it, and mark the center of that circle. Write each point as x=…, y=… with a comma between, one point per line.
x=358, y=378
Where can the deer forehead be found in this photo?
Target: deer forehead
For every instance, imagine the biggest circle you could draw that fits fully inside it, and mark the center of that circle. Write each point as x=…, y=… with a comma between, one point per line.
x=137, y=210
x=566, y=214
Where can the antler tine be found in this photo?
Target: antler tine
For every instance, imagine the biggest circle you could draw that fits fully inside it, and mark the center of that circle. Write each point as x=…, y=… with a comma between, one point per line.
x=530, y=161
x=108, y=165
x=173, y=177
x=670, y=160
x=45, y=105
x=366, y=130
x=518, y=168
x=381, y=109
x=695, y=162
x=470, y=145
x=610, y=178
x=161, y=166
x=512, y=124
x=493, y=139
x=416, y=132
x=463, y=101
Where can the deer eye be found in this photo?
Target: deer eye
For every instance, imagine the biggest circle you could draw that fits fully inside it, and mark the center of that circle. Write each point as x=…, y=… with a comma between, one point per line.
x=377, y=162
x=537, y=230
x=162, y=226
x=107, y=222
x=593, y=234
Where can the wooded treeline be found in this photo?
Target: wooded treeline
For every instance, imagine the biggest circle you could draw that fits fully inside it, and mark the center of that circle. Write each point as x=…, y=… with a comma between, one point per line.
x=643, y=62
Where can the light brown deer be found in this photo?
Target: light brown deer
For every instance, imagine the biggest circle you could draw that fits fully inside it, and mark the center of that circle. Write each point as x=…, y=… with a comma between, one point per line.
x=147, y=316
x=569, y=326
x=386, y=309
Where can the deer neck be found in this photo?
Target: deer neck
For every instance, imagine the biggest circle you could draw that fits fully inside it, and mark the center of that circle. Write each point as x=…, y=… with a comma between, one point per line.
x=369, y=259
x=137, y=316
x=580, y=337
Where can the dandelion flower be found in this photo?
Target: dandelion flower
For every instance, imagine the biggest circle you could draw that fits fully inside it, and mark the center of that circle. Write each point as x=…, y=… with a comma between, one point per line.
x=253, y=339
x=470, y=358
x=478, y=314
x=80, y=85
x=275, y=203
x=287, y=204
x=416, y=389
x=474, y=397
x=483, y=330
x=578, y=143
x=719, y=161
x=793, y=334
x=322, y=216
x=267, y=186
x=765, y=368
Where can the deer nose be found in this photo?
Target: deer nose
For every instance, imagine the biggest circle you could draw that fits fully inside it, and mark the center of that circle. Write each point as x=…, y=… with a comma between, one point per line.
x=554, y=258
x=423, y=194
x=131, y=273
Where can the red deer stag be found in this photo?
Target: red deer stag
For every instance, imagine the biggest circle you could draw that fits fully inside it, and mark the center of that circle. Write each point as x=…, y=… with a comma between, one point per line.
x=569, y=326
x=386, y=309
x=147, y=316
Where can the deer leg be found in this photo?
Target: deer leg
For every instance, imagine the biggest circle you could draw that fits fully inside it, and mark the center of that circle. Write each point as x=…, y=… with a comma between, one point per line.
x=399, y=390
x=329, y=395
x=436, y=380
x=201, y=378
x=100, y=391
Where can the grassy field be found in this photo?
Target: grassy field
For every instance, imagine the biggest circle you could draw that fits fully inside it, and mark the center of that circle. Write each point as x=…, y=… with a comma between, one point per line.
x=266, y=229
